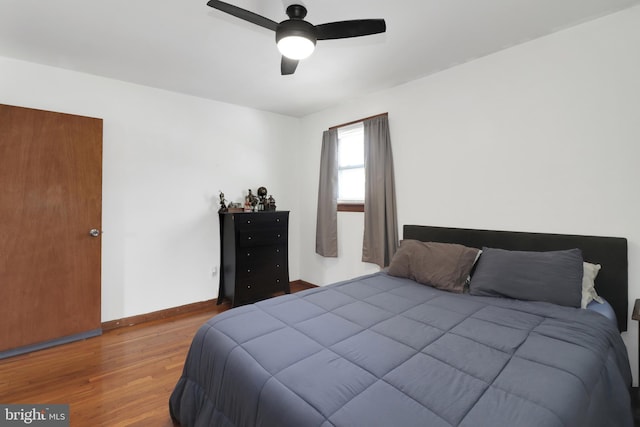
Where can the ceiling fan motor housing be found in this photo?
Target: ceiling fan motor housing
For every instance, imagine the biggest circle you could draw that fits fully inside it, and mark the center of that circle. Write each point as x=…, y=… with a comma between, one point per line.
x=296, y=27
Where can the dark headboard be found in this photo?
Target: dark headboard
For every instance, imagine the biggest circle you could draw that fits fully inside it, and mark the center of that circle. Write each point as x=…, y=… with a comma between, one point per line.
x=610, y=252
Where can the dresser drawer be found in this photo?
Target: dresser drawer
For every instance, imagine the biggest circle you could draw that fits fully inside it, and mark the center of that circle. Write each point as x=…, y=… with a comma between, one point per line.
x=261, y=271
x=252, y=287
x=261, y=220
x=262, y=237
x=253, y=257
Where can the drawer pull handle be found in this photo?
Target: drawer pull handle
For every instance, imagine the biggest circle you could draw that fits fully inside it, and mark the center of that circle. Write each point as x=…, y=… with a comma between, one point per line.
x=277, y=265
x=248, y=286
x=248, y=221
x=249, y=238
x=248, y=270
x=277, y=280
x=278, y=235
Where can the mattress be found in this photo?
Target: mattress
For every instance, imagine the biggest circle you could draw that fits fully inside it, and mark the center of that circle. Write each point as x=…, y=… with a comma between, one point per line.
x=386, y=351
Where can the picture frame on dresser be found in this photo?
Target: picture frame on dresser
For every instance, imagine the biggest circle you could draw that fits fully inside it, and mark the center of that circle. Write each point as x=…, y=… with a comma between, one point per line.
x=254, y=256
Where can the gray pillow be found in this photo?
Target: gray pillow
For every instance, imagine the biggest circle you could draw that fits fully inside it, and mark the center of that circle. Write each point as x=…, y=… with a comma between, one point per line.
x=554, y=276
x=441, y=265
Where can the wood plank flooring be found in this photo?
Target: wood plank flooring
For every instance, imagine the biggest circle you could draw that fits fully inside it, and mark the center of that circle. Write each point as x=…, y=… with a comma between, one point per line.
x=122, y=378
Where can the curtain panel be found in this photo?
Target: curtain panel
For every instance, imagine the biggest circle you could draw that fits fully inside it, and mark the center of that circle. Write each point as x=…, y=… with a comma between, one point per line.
x=327, y=219
x=380, y=240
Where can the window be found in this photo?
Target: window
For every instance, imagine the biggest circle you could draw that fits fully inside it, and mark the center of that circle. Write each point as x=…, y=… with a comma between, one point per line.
x=351, y=168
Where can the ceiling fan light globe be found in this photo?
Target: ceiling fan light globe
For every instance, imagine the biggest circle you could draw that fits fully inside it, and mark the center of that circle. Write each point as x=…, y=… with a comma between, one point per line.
x=296, y=47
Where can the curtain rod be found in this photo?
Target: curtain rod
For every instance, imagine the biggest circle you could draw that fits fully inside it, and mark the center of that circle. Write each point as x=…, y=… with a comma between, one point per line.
x=358, y=121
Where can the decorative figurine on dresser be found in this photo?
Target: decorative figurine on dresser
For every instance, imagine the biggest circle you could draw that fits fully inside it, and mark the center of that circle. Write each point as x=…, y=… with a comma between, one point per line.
x=254, y=255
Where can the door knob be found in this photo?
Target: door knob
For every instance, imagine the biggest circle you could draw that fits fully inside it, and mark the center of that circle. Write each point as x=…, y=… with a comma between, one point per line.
x=94, y=232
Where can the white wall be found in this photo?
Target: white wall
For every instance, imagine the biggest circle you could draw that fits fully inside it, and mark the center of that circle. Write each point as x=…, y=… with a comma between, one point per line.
x=165, y=157
x=544, y=136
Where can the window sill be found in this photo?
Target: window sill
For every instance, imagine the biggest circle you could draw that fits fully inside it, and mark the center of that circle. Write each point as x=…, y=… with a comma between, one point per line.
x=350, y=207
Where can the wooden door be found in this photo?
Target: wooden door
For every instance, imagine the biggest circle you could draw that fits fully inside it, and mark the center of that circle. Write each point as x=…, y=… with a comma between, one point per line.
x=50, y=199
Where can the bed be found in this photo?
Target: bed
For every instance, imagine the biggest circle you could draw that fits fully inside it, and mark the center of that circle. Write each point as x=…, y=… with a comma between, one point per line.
x=387, y=350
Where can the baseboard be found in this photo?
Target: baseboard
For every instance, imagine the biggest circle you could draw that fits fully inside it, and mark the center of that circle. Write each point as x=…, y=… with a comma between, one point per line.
x=158, y=315
x=296, y=285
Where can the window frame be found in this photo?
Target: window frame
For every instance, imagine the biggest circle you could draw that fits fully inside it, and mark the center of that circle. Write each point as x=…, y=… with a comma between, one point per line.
x=350, y=205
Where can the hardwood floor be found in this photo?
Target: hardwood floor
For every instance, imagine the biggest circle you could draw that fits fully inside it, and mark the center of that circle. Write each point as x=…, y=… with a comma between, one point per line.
x=122, y=378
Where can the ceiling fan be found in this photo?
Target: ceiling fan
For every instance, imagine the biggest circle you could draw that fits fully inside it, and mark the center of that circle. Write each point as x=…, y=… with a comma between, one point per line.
x=295, y=37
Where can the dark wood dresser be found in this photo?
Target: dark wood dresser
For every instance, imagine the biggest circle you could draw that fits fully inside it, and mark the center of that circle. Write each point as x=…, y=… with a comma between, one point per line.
x=254, y=255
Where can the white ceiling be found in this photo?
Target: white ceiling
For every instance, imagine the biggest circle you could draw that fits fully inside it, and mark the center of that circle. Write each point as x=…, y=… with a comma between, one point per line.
x=186, y=46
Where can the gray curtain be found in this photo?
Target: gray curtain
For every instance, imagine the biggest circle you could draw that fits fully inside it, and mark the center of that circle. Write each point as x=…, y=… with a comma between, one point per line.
x=327, y=220
x=380, y=222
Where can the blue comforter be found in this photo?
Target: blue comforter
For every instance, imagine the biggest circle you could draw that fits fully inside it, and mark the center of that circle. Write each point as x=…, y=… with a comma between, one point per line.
x=385, y=351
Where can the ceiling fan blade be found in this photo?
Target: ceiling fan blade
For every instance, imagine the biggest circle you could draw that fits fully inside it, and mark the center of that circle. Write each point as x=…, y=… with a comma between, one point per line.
x=243, y=14
x=288, y=66
x=346, y=29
